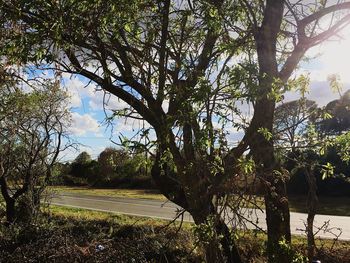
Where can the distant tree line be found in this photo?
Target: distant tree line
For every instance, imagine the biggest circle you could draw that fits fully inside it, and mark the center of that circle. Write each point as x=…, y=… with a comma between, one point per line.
x=113, y=168
x=306, y=135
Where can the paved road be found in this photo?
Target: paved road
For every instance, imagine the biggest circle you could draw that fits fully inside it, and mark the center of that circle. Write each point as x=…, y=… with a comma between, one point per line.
x=167, y=210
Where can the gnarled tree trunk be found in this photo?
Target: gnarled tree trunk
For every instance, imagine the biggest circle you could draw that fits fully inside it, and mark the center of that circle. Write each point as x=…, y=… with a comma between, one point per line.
x=198, y=202
x=10, y=211
x=312, y=201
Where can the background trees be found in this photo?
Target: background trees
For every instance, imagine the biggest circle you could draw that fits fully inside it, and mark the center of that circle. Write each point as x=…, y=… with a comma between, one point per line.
x=81, y=170
x=301, y=129
x=114, y=168
x=32, y=135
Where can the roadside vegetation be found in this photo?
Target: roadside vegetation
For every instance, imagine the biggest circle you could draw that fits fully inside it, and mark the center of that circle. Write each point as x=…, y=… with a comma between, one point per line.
x=152, y=194
x=77, y=235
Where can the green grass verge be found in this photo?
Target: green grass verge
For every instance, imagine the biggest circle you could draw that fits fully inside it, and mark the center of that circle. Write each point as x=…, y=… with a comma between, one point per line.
x=84, y=214
x=128, y=193
x=327, y=205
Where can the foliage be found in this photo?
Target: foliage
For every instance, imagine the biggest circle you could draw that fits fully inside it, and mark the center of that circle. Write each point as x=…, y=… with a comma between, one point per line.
x=113, y=168
x=339, y=112
x=294, y=256
x=187, y=55
x=80, y=166
x=31, y=137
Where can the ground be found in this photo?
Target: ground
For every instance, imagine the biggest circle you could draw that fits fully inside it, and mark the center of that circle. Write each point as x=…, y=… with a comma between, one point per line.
x=76, y=235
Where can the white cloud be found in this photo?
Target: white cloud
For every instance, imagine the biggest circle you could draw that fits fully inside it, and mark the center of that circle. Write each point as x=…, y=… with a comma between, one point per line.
x=331, y=57
x=130, y=125
x=111, y=102
x=82, y=124
x=79, y=90
x=320, y=92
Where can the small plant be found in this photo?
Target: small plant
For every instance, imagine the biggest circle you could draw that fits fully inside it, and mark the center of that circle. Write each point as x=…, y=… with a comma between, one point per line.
x=291, y=254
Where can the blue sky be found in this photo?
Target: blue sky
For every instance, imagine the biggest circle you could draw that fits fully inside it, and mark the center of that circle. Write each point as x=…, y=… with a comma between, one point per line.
x=88, y=126
x=90, y=131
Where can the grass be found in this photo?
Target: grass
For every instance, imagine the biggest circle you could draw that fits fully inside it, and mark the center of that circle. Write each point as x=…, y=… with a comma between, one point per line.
x=72, y=235
x=249, y=239
x=128, y=193
x=247, y=236
x=327, y=205
x=76, y=235
x=84, y=214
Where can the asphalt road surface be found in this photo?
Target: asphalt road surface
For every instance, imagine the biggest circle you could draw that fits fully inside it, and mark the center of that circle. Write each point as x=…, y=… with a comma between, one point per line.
x=168, y=211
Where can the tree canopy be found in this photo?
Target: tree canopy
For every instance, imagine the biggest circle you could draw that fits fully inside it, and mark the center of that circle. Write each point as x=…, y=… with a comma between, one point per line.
x=183, y=66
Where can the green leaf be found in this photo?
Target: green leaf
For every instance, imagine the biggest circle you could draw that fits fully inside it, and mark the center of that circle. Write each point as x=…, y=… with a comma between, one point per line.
x=327, y=171
x=266, y=133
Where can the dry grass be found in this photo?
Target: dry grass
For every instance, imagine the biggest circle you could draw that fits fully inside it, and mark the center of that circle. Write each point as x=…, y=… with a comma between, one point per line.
x=128, y=193
x=72, y=235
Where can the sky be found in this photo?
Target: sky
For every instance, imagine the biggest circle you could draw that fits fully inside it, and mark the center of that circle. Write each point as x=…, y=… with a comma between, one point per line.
x=90, y=131
x=88, y=128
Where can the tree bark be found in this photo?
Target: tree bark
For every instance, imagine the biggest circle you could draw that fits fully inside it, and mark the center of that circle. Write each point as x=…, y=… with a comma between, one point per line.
x=268, y=168
x=277, y=219
x=199, y=204
x=167, y=184
x=222, y=248
x=312, y=201
x=269, y=171
x=228, y=244
x=10, y=211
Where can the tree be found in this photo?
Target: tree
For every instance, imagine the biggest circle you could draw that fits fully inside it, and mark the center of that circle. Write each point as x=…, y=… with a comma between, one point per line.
x=291, y=121
x=31, y=138
x=302, y=146
x=83, y=158
x=165, y=52
x=80, y=166
x=177, y=53
x=339, y=120
x=283, y=32
x=110, y=162
x=297, y=141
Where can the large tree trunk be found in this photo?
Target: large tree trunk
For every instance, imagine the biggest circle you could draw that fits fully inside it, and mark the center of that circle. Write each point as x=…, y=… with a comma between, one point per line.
x=222, y=247
x=269, y=171
x=276, y=203
x=10, y=211
x=277, y=218
x=268, y=168
x=9, y=201
x=198, y=202
x=166, y=183
x=312, y=201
